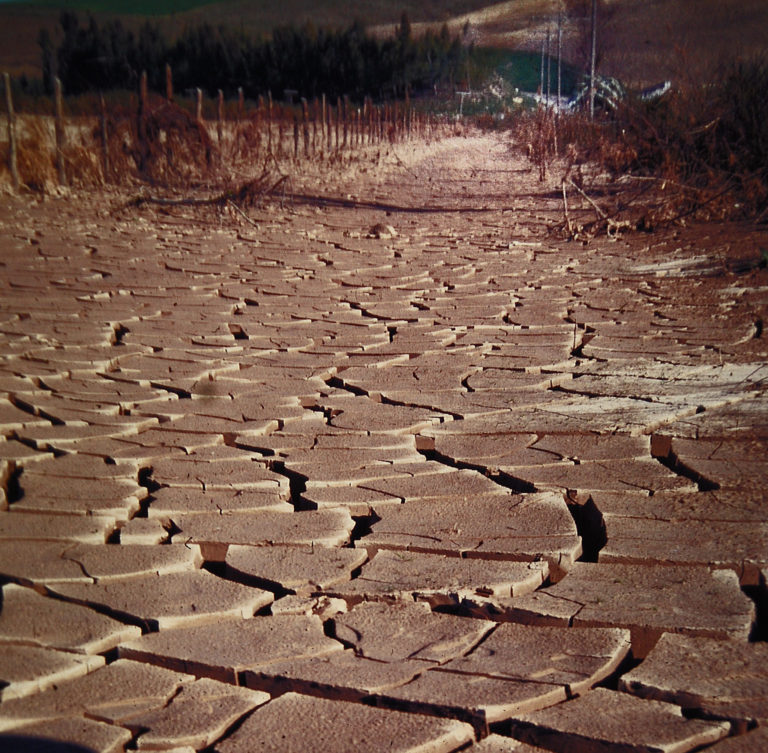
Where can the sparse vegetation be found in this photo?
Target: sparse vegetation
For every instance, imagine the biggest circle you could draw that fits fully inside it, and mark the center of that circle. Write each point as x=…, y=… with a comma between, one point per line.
x=701, y=151
x=164, y=144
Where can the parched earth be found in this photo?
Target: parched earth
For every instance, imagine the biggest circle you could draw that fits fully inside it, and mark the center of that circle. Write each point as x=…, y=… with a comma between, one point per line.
x=392, y=470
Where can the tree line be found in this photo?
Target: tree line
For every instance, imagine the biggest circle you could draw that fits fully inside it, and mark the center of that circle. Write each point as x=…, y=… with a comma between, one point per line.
x=98, y=57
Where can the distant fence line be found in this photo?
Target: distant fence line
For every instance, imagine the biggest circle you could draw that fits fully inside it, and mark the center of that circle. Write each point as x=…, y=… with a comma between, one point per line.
x=160, y=137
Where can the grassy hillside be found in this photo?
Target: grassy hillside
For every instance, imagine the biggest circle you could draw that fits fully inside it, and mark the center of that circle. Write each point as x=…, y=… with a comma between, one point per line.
x=640, y=41
x=652, y=40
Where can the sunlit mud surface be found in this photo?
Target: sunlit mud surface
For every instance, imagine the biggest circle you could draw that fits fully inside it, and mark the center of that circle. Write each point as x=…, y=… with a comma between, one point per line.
x=390, y=469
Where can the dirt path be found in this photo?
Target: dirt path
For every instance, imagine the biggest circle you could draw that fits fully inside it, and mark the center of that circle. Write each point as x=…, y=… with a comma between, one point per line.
x=394, y=470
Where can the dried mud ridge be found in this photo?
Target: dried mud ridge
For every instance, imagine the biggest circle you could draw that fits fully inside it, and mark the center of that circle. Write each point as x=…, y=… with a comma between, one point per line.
x=310, y=487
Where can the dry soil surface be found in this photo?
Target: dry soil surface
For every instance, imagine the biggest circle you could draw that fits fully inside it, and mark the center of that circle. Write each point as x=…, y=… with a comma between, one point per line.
x=390, y=469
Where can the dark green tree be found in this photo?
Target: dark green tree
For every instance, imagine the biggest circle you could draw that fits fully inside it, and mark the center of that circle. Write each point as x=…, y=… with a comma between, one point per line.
x=151, y=55
x=309, y=60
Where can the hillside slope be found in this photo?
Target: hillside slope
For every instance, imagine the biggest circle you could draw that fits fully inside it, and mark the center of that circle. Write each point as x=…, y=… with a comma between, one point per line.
x=642, y=41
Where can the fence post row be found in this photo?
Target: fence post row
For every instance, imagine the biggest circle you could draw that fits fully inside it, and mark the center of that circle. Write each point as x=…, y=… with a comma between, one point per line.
x=220, y=117
x=353, y=126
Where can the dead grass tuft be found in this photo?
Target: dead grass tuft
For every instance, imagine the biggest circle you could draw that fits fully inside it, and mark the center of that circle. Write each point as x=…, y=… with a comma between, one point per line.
x=175, y=149
x=36, y=165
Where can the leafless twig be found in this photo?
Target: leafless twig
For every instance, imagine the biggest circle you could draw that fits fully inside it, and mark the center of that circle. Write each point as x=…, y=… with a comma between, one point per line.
x=247, y=193
x=241, y=213
x=599, y=211
x=565, y=212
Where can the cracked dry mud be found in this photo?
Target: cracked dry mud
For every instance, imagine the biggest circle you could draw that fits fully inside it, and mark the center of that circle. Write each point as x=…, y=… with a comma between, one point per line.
x=309, y=487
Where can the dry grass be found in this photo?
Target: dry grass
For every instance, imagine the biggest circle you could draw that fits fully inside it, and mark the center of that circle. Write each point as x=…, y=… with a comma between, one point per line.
x=175, y=149
x=698, y=153
x=36, y=156
x=231, y=164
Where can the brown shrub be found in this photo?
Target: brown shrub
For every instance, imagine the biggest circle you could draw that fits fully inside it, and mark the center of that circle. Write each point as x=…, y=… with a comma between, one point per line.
x=700, y=151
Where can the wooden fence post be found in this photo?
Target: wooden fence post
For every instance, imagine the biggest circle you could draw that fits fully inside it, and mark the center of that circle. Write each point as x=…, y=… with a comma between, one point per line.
x=59, y=131
x=269, y=124
x=374, y=129
x=258, y=117
x=295, y=136
x=199, y=105
x=168, y=82
x=358, y=127
x=338, y=119
x=220, y=117
x=324, y=121
x=407, y=115
x=104, y=138
x=240, y=116
x=141, y=129
x=346, y=120
x=12, y=158
x=305, y=124
x=280, y=131
x=315, y=110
